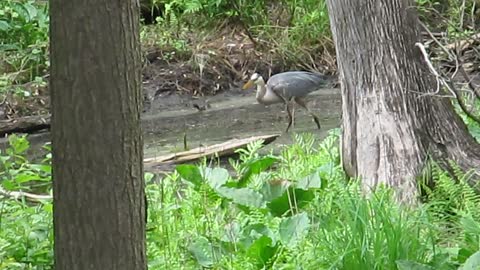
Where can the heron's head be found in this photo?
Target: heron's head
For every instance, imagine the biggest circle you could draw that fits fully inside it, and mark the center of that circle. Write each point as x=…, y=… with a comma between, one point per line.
x=254, y=79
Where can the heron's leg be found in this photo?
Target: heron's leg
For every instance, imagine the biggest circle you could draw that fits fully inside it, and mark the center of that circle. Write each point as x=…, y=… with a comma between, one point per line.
x=290, y=118
x=300, y=101
x=293, y=113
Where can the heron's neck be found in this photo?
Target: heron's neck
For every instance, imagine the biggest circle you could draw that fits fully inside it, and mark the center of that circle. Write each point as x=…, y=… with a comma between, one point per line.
x=261, y=89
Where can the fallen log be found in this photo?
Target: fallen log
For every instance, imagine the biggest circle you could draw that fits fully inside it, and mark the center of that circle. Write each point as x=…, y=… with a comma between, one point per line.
x=26, y=124
x=34, y=123
x=217, y=150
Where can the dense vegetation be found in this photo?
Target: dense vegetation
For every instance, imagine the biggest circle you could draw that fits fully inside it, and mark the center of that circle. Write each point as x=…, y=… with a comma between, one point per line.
x=293, y=210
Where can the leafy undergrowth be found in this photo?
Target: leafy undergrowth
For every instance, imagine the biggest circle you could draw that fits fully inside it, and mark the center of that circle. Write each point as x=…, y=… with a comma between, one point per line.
x=294, y=210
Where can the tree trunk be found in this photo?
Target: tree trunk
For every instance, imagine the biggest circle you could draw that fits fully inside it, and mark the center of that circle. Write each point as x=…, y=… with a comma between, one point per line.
x=98, y=184
x=390, y=127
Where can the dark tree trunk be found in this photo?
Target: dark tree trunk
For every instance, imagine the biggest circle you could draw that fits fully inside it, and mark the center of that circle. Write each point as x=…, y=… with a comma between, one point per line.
x=98, y=186
x=390, y=128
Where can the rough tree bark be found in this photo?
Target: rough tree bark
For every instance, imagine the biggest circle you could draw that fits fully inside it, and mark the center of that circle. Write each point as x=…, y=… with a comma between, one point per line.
x=390, y=127
x=98, y=186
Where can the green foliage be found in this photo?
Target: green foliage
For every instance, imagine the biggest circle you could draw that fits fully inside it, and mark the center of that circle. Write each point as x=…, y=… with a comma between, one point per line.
x=295, y=210
x=457, y=18
x=17, y=173
x=334, y=226
x=451, y=197
x=26, y=235
x=23, y=41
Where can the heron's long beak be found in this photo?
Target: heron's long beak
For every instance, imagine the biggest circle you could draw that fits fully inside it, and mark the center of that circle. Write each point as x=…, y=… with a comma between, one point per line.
x=247, y=85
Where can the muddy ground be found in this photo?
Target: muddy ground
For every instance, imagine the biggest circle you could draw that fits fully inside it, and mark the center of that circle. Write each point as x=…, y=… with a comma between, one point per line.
x=233, y=115
x=199, y=97
x=229, y=114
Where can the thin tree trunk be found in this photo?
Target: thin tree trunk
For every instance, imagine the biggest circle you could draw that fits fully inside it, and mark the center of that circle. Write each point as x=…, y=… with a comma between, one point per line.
x=390, y=128
x=98, y=186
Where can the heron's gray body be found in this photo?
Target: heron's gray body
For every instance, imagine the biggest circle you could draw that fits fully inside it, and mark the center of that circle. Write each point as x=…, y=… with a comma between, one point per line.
x=284, y=86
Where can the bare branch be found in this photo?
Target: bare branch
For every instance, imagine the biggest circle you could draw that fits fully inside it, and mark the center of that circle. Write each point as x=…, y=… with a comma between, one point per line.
x=450, y=86
x=18, y=195
x=440, y=79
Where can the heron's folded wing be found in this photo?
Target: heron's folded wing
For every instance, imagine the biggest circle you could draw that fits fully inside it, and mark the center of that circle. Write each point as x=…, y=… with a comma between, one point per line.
x=281, y=89
x=296, y=83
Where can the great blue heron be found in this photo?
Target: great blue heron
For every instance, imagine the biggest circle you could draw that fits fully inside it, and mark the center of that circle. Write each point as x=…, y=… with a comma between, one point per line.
x=287, y=86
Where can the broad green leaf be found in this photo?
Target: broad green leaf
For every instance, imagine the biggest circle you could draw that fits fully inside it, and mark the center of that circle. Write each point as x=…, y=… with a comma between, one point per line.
x=411, y=265
x=470, y=225
x=472, y=263
x=190, y=173
x=326, y=170
x=291, y=197
x=9, y=185
x=4, y=26
x=43, y=168
x=465, y=252
x=442, y=261
x=255, y=167
x=311, y=181
x=148, y=176
x=273, y=189
x=32, y=11
x=4, y=159
x=48, y=207
x=293, y=229
x=21, y=11
x=216, y=177
x=26, y=177
x=232, y=233
x=19, y=144
x=242, y=196
x=255, y=231
x=261, y=251
x=202, y=251
x=10, y=47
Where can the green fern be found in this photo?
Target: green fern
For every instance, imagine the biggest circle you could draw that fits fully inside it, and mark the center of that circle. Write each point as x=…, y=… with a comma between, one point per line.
x=452, y=194
x=192, y=6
